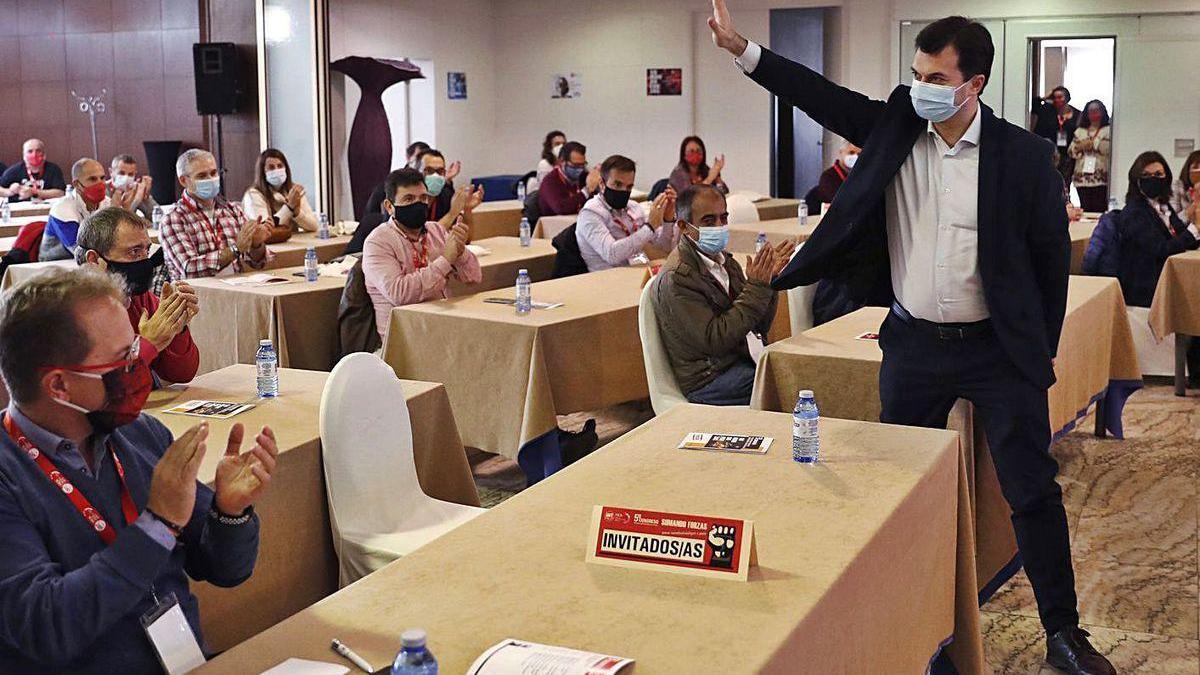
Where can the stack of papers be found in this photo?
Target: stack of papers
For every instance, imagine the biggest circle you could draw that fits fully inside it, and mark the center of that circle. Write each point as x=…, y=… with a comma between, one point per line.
x=755, y=445
x=478, y=250
x=260, y=279
x=306, y=667
x=337, y=268
x=514, y=657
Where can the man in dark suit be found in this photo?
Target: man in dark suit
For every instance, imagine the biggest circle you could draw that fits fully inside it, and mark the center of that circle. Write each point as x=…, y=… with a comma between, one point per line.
x=955, y=219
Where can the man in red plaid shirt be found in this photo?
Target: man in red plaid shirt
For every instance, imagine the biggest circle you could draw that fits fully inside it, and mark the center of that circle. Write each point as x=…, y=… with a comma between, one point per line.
x=205, y=235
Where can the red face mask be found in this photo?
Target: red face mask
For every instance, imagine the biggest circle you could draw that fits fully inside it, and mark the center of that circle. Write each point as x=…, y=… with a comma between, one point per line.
x=35, y=161
x=127, y=385
x=94, y=193
x=693, y=157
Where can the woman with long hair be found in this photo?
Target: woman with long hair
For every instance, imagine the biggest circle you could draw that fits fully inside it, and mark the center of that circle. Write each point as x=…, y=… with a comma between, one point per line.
x=693, y=167
x=551, y=146
x=277, y=199
x=1091, y=148
x=1185, y=192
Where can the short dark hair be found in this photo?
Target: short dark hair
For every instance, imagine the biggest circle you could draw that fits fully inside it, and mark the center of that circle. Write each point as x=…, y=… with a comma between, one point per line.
x=685, y=200
x=415, y=147
x=99, y=232
x=39, y=326
x=569, y=147
x=122, y=159
x=1133, y=192
x=1066, y=92
x=616, y=163
x=436, y=153
x=969, y=38
x=1085, y=120
x=401, y=178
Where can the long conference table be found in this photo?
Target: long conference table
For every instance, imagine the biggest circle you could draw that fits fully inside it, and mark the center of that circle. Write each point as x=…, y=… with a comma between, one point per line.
x=1176, y=309
x=865, y=563
x=296, y=564
x=1097, y=363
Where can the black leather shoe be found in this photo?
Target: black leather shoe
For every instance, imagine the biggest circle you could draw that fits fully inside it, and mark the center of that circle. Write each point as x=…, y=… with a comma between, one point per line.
x=577, y=445
x=1069, y=651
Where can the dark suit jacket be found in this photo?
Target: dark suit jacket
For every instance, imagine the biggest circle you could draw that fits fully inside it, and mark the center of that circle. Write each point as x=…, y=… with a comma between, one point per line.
x=1146, y=243
x=1024, y=244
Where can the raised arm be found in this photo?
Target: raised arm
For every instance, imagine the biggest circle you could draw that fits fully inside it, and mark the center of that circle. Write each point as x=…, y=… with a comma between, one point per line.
x=845, y=112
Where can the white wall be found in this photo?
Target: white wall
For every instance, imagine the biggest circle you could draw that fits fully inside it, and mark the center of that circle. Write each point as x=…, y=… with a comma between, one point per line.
x=457, y=35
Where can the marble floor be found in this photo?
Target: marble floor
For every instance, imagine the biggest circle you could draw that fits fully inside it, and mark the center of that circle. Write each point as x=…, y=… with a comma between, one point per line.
x=1133, y=509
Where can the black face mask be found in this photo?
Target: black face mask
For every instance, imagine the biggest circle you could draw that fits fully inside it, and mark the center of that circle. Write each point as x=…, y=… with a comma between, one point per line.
x=412, y=216
x=138, y=275
x=617, y=199
x=1155, y=187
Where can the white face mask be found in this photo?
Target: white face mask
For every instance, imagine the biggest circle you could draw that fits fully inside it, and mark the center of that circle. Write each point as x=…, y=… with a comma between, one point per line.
x=935, y=102
x=276, y=177
x=850, y=160
x=556, y=149
x=122, y=181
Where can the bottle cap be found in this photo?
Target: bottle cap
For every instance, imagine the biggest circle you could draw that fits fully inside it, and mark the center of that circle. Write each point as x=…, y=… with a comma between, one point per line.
x=522, y=270
x=265, y=343
x=806, y=393
x=413, y=637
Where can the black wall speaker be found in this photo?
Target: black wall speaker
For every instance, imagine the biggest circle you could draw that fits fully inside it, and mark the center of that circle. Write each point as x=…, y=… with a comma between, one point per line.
x=218, y=72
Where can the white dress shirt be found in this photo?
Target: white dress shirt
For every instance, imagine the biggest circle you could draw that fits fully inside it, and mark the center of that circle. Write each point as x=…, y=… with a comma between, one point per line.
x=609, y=238
x=932, y=223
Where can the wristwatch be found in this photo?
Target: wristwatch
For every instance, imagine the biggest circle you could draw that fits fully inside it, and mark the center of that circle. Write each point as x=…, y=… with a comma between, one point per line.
x=237, y=252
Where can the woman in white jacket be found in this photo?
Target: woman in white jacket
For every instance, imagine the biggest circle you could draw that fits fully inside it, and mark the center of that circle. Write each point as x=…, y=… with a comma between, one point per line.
x=276, y=199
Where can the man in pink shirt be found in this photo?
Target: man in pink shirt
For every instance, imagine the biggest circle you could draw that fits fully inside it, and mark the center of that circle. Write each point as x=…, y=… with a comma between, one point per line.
x=410, y=258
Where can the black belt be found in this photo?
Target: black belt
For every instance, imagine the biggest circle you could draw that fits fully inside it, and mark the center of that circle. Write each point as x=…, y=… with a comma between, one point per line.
x=943, y=331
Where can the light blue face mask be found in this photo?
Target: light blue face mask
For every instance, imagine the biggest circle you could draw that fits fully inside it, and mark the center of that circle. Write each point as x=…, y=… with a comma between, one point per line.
x=935, y=102
x=434, y=184
x=713, y=240
x=207, y=188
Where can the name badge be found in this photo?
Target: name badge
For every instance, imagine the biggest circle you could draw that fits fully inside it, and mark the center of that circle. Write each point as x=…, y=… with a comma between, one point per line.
x=172, y=637
x=721, y=548
x=1089, y=163
x=1062, y=139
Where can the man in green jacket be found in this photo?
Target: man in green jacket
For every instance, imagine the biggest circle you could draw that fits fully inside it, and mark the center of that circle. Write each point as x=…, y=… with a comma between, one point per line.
x=707, y=307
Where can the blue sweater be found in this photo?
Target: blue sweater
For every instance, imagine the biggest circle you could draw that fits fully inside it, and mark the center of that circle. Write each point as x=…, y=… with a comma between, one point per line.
x=70, y=604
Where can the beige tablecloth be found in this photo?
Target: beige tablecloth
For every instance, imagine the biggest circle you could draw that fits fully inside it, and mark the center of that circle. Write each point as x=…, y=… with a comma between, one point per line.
x=496, y=219
x=1081, y=234
x=505, y=258
x=774, y=208
x=291, y=252
x=15, y=274
x=38, y=209
x=509, y=376
x=743, y=236
x=857, y=570
x=14, y=225
x=1176, y=305
x=299, y=317
x=1096, y=347
x=296, y=564
x=549, y=227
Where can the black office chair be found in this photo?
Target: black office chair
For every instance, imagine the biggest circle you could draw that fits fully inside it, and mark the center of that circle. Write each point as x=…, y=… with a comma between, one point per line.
x=523, y=180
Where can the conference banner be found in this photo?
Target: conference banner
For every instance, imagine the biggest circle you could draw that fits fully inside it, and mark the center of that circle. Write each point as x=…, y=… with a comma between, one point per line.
x=721, y=548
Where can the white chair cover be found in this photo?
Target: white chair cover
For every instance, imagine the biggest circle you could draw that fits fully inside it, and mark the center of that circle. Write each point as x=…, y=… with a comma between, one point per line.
x=800, y=304
x=741, y=209
x=1155, y=358
x=664, y=392
x=377, y=509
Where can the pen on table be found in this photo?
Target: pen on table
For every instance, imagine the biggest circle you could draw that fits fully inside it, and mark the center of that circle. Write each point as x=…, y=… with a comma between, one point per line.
x=343, y=650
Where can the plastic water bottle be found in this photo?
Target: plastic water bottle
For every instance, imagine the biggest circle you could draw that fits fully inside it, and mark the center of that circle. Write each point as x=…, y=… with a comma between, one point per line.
x=521, y=191
x=526, y=233
x=1112, y=204
x=806, y=439
x=760, y=242
x=524, y=296
x=156, y=216
x=5, y=210
x=414, y=657
x=311, y=271
x=803, y=211
x=322, y=226
x=267, y=364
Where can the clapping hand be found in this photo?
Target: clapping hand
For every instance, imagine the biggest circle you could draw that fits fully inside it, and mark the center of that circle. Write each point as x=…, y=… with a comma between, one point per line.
x=594, y=179
x=252, y=234
x=476, y=199
x=168, y=320
x=183, y=288
x=173, y=483
x=294, y=197
x=453, y=170
x=658, y=208
x=783, y=255
x=761, y=268
x=243, y=476
x=456, y=241
x=717, y=165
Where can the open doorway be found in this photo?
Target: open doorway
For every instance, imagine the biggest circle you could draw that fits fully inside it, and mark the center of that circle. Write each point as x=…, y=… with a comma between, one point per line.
x=1071, y=82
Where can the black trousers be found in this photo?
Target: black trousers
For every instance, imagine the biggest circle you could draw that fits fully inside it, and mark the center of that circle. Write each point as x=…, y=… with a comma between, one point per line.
x=1093, y=199
x=921, y=378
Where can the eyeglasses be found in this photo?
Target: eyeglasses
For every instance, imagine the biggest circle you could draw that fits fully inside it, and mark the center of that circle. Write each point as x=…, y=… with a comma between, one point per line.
x=127, y=364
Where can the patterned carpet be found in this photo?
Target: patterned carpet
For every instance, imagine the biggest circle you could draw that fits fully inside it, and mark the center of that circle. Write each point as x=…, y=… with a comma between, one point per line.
x=1133, y=509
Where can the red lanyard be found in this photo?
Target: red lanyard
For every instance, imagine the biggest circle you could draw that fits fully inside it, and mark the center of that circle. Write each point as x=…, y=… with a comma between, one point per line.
x=212, y=230
x=33, y=180
x=81, y=503
x=1061, y=121
x=837, y=168
x=421, y=255
x=621, y=223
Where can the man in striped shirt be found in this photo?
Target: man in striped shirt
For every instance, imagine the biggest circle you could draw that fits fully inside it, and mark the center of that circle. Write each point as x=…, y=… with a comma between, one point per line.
x=206, y=235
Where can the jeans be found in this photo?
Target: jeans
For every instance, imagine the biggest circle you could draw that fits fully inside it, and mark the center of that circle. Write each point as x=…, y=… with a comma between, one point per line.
x=732, y=387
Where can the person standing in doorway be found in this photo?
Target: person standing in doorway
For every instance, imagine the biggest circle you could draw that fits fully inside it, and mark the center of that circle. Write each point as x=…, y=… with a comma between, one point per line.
x=955, y=219
x=1091, y=149
x=1055, y=119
